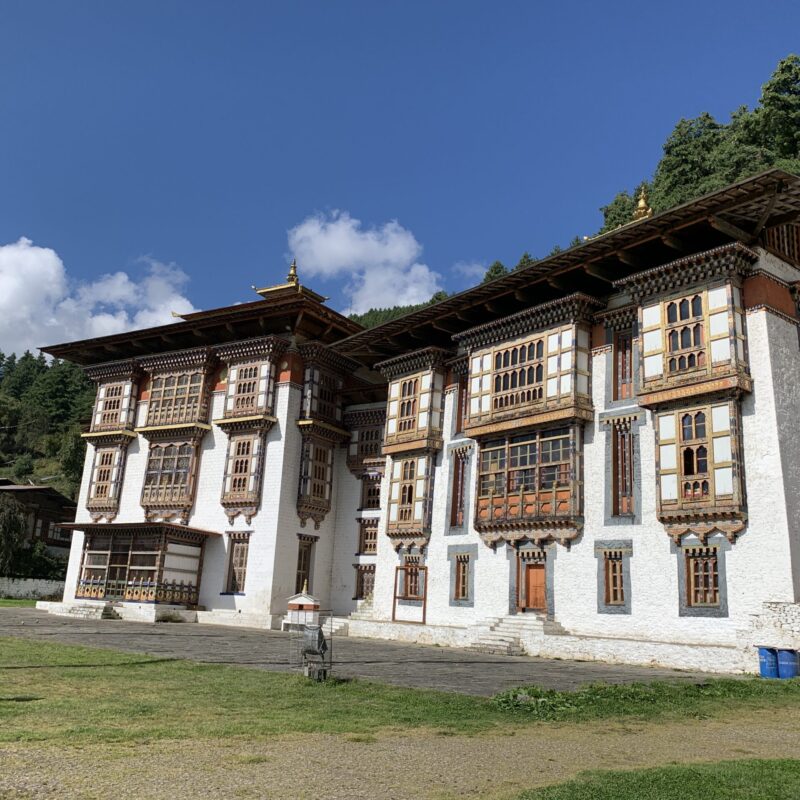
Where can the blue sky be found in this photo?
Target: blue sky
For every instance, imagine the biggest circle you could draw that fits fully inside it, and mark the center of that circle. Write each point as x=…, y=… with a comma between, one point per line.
x=167, y=155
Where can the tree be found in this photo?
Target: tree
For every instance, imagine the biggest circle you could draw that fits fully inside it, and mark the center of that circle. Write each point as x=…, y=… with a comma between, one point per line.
x=23, y=467
x=496, y=270
x=525, y=260
x=777, y=120
x=71, y=457
x=12, y=531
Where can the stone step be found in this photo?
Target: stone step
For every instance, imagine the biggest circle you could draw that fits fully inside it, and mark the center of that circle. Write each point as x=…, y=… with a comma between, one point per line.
x=109, y=612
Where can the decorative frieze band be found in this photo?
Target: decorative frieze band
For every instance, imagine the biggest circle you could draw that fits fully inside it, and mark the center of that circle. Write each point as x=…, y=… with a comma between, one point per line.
x=418, y=360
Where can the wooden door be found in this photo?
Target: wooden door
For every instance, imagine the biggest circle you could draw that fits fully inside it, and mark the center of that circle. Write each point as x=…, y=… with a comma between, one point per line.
x=535, y=587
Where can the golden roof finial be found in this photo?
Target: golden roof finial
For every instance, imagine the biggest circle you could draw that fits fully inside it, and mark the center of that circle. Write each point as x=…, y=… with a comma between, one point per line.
x=305, y=582
x=643, y=210
x=292, y=276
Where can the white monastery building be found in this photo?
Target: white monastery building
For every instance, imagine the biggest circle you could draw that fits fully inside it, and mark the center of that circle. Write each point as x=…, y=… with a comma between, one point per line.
x=596, y=456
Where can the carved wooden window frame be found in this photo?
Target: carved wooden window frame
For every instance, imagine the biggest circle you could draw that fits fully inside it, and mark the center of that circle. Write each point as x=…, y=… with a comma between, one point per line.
x=237, y=563
x=716, y=333
x=165, y=482
x=250, y=389
x=370, y=492
x=305, y=556
x=420, y=409
x=106, y=472
x=622, y=469
x=702, y=577
x=316, y=471
x=176, y=398
x=462, y=588
x=115, y=406
x=322, y=395
x=459, y=490
x=243, y=467
x=365, y=581
x=623, y=364
x=368, y=537
x=614, y=575
x=409, y=491
x=716, y=442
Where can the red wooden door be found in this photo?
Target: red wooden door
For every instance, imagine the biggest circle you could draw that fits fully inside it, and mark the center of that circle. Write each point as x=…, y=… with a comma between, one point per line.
x=534, y=587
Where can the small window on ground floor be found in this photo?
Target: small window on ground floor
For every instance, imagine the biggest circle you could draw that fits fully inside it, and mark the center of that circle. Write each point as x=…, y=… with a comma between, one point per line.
x=237, y=564
x=365, y=581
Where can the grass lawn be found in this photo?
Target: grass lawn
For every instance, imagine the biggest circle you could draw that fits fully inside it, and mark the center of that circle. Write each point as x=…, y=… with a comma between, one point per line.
x=61, y=693
x=12, y=602
x=726, y=780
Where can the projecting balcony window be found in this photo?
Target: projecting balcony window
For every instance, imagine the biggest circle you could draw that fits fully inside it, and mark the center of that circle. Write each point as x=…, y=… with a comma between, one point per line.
x=175, y=399
x=168, y=479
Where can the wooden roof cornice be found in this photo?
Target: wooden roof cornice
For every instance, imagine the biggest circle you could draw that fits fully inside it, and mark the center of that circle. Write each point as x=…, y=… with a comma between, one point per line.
x=576, y=307
x=425, y=358
x=739, y=212
x=728, y=259
x=261, y=347
x=277, y=314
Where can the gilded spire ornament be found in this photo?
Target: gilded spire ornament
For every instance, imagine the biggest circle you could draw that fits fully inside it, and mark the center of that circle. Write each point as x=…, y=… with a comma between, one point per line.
x=643, y=210
x=292, y=276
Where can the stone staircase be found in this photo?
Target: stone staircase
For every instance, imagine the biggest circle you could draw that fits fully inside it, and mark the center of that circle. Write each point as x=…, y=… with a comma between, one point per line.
x=507, y=635
x=109, y=612
x=334, y=626
x=364, y=609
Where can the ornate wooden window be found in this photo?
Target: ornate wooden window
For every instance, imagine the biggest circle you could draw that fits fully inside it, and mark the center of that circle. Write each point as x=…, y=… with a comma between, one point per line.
x=548, y=368
x=702, y=576
x=243, y=468
x=697, y=457
x=461, y=403
x=623, y=365
x=322, y=395
x=409, y=498
x=237, y=562
x=250, y=389
x=414, y=409
x=317, y=471
x=114, y=407
x=462, y=588
x=168, y=478
x=365, y=581
x=459, y=490
x=175, y=399
x=368, y=537
x=695, y=334
x=106, y=473
x=622, y=468
x=370, y=492
x=528, y=476
x=613, y=567
x=412, y=586
x=305, y=549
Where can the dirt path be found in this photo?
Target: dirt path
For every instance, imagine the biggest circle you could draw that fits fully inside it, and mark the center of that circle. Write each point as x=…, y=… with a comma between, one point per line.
x=414, y=766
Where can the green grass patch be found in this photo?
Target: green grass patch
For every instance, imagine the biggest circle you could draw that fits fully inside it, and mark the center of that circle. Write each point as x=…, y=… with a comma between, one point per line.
x=646, y=700
x=725, y=780
x=11, y=602
x=68, y=694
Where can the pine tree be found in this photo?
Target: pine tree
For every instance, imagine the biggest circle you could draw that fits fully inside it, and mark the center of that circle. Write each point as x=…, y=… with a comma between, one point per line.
x=496, y=270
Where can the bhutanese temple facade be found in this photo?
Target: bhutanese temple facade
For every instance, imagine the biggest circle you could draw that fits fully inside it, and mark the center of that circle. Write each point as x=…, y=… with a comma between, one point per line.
x=596, y=456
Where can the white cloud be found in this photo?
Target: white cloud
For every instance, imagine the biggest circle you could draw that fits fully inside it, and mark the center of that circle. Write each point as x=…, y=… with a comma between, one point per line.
x=39, y=304
x=381, y=263
x=473, y=271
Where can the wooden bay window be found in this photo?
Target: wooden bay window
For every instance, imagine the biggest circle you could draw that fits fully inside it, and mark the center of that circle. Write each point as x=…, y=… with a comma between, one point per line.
x=175, y=399
x=169, y=476
x=250, y=389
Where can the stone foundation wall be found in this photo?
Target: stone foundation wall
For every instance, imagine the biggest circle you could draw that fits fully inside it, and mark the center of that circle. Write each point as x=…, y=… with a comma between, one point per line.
x=30, y=588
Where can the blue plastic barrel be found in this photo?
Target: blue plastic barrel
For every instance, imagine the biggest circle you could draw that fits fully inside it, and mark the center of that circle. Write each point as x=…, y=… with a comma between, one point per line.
x=767, y=662
x=787, y=663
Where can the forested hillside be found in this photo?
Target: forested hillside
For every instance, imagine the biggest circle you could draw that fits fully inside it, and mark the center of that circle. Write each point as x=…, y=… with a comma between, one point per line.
x=41, y=408
x=700, y=155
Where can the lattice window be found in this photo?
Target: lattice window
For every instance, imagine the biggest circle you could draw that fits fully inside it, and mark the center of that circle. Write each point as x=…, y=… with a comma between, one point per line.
x=702, y=576
x=365, y=581
x=114, y=406
x=305, y=548
x=316, y=471
x=457, y=500
x=368, y=536
x=169, y=473
x=250, y=389
x=237, y=563
x=370, y=492
x=322, y=395
x=462, y=588
x=622, y=468
x=623, y=365
x=415, y=406
x=409, y=501
x=106, y=475
x=692, y=333
x=243, y=469
x=697, y=456
x=529, y=462
x=614, y=583
x=175, y=399
x=412, y=586
x=545, y=368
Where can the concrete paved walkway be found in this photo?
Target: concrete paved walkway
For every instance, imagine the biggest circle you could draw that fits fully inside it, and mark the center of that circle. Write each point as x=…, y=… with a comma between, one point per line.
x=420, y=666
